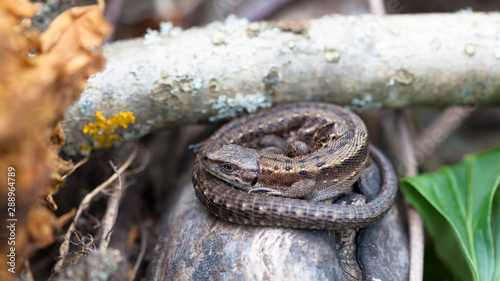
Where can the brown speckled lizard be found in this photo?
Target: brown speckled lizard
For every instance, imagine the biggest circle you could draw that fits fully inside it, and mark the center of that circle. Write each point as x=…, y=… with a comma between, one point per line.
x=327, y=155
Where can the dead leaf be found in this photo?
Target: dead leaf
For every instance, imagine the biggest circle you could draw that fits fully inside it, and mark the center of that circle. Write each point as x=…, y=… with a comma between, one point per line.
x=41, y=75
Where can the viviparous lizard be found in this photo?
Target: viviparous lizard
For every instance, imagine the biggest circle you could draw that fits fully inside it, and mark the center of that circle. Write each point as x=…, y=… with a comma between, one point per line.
x=339, y=156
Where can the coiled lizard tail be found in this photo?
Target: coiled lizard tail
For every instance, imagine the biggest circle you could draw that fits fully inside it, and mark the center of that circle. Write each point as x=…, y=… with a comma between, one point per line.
x=235, y=173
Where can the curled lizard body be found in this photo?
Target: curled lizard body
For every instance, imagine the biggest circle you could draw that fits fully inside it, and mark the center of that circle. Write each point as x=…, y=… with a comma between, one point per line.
x=339, y=155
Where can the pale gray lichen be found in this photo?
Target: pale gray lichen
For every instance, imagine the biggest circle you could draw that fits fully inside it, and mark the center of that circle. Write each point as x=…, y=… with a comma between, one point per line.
x=219, y=39
x=230, y=25
x=466, y=10
x=272, y=80
x=332, y=55
x=151, y=37
x=366, y=103
x=168, y=29
x=187, y=83
x=269, y=32
x=263, y=30
x=228, y=108
x=391, y=82
x=213, y=85
x=470, y=50
x=165, y=28
x=403, y=76
x=86, y=107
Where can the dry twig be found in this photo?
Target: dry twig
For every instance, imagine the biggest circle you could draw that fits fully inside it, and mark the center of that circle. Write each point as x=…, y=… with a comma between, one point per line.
x=76, y=166
x=436, y=133
x=63, y=250
x=416, y=226
x=145, y=161
x=144, y=244
x=109, y=218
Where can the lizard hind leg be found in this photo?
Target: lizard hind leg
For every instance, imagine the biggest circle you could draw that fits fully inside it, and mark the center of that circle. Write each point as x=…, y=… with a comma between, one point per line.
x=330, y=194
x=303, y=188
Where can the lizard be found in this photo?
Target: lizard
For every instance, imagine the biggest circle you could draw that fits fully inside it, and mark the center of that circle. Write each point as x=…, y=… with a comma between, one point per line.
x=244, y=185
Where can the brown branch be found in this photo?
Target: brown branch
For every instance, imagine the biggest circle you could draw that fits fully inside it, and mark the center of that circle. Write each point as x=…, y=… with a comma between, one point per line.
x=402, y=155
x=416, y=225
x=377, y=7
x=144, y=244
x=436, y=133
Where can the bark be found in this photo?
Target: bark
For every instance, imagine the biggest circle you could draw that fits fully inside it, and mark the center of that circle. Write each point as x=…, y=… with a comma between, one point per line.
x=223, y=70
x=194, y=245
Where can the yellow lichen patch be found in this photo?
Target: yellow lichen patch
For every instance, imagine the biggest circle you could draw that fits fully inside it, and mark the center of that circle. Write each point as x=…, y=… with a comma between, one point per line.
x=103, y=130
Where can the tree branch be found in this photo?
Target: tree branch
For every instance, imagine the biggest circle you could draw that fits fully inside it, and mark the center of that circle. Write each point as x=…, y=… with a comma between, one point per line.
x=365, y=62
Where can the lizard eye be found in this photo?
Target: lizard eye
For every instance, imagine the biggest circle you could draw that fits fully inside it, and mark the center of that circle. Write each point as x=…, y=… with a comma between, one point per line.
x=227, y=168
x=254, y=181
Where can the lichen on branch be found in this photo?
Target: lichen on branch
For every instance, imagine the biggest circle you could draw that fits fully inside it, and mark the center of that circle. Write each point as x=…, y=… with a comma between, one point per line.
x=174, y=77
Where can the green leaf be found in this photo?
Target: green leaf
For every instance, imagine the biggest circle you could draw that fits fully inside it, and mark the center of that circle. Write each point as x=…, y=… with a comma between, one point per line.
x=460, y=207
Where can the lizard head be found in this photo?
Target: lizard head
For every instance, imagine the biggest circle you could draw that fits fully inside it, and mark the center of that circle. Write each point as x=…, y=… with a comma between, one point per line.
x=234, y=164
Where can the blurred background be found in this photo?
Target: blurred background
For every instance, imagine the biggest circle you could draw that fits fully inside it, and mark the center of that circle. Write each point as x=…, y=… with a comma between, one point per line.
x=131, y=18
